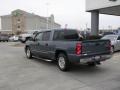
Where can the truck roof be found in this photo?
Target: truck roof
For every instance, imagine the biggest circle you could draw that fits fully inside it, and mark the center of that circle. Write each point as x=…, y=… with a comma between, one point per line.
x=55, y=30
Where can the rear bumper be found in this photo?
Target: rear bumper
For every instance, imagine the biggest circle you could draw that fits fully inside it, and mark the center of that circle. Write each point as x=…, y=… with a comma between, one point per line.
x=96, y=58
x=79, y=59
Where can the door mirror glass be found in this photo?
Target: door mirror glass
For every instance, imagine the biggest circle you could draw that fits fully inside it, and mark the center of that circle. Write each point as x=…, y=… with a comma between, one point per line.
x=118, y=38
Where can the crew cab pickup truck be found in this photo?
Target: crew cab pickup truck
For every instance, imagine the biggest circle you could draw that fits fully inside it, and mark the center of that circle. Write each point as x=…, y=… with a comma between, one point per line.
x=67, y=46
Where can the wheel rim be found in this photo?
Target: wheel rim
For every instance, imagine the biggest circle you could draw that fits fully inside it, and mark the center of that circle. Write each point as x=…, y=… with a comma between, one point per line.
x=61, y=62
x=28, y=53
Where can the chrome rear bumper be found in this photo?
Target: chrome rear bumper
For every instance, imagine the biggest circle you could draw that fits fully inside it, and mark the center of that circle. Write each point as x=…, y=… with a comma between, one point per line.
x=95, y=58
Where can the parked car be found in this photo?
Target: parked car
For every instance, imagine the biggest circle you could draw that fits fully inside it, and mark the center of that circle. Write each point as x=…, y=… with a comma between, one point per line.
x=108, y=33
x=13, y=38
x=115, y=41
x=4, y=38
x=25, y=37
x=66, y=47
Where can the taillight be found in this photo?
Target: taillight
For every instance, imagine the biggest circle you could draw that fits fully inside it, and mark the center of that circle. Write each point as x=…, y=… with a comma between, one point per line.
x=78, y=48
x=110, y=47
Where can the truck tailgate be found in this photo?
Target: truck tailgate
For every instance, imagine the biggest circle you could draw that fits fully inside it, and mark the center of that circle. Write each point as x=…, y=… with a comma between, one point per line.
x=93, y=47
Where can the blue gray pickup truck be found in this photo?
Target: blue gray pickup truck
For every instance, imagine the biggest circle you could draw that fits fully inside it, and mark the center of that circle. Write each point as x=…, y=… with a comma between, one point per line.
x=67, y=46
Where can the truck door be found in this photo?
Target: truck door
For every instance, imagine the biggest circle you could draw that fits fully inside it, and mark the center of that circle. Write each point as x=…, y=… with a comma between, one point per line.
x=36, y=45
x=45, y=45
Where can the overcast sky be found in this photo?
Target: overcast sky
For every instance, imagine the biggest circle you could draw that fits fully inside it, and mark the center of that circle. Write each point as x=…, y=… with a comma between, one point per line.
x=71, y=12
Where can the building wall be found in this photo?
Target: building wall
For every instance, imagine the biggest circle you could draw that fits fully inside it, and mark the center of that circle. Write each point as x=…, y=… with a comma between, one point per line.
x=6, y=23
x=20, y=21
x=37, y=23
x=97, y=4
x=0, y=23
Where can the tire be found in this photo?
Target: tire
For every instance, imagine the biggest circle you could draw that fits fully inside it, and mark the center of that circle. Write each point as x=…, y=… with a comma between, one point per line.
x=28, y=53
x=63, y=62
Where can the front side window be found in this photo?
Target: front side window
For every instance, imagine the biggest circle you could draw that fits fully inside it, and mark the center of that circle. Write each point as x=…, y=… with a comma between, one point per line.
x=38, y=37
x=46, y=36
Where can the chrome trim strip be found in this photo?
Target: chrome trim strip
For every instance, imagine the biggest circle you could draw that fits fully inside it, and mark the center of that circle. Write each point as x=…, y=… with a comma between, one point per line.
x=43, y=51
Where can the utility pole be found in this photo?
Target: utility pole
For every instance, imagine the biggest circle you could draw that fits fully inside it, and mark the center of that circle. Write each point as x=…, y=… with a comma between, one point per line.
x=47, y=25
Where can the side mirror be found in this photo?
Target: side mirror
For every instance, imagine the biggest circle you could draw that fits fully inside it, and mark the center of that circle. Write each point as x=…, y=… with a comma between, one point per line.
x=31, y=39
x=118, y=39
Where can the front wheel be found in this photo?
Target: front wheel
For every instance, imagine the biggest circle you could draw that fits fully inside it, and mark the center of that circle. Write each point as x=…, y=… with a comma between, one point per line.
x=28, y=53
x=63, y=62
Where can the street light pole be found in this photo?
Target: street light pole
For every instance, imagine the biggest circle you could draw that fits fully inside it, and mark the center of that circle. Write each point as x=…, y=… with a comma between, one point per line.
x=47, y=26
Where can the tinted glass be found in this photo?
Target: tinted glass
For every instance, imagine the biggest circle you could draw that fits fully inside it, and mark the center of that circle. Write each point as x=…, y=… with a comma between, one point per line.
x=118, y=38
x=66, y=35
x=58, y=35
x=38, y=37
x=46, y=36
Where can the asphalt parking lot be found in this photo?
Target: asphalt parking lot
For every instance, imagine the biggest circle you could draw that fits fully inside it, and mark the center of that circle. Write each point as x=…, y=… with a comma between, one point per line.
x=19, y=73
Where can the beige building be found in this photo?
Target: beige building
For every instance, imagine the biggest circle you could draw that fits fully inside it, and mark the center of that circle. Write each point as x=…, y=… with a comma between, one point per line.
x=20, y=21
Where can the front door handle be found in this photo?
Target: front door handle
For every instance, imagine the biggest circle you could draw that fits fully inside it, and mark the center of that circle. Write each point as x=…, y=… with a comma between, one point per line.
x=46, y=44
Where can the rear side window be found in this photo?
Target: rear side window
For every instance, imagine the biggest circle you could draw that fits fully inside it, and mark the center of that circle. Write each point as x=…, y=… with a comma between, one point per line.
x=46, y=36
x=66, y=35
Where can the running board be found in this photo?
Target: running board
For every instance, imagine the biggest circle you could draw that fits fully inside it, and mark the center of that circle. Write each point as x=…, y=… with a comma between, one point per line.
x=48, y=60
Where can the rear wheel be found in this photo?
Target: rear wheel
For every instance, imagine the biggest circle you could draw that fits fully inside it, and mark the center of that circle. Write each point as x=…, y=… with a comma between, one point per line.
x=63, y=62
x=28, y=53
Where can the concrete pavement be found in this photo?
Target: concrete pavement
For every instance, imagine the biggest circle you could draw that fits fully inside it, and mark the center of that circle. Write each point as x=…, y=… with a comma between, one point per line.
x=19, y=73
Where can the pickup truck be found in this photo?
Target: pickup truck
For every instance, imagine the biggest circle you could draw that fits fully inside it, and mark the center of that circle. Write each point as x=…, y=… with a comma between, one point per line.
x=67, y=46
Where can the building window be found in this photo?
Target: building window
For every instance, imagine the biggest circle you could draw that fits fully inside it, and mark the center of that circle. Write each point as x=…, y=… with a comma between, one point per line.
x=18, y=27
x=18, y=21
